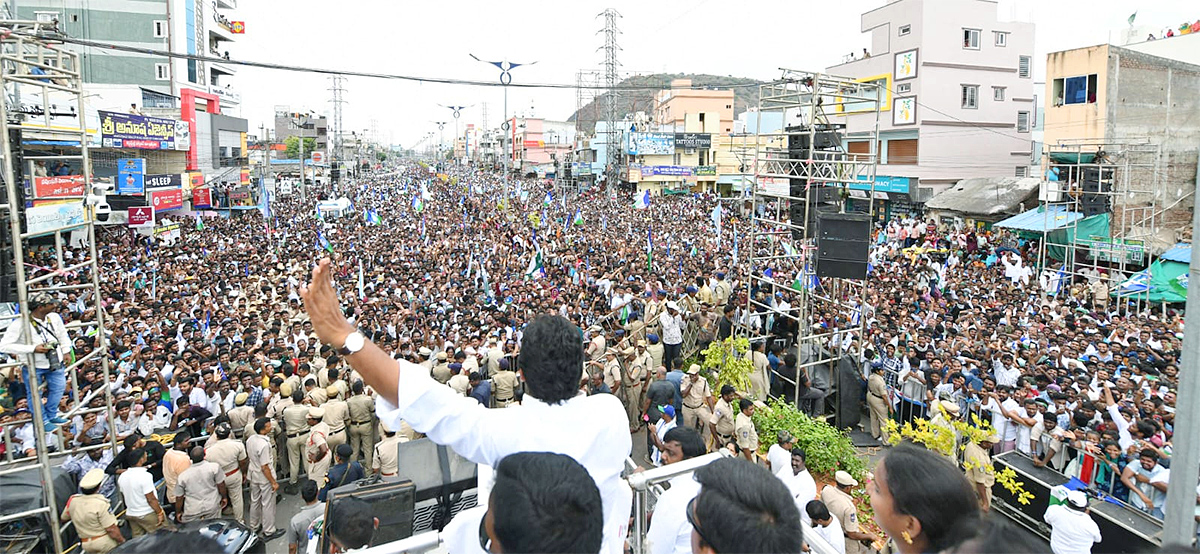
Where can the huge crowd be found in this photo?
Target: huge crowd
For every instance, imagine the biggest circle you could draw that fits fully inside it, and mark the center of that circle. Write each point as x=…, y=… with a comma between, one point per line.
x=220, y=379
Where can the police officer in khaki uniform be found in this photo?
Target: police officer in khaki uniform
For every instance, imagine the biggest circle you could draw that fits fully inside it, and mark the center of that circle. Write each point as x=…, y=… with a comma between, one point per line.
x=362, y=423
x=295, y=418
x=230, y=454
x=505, y=382
x=425, y=355
x=743, y=429
x=386, y=462
x=337, y=417
x=697, y=399
x=638, y=373
x=241, y=415
x=314, y=395
x=88, y=510
x=262, y=480
x=200, y=493
x=441, y=370
x=841, y=505
x=721, y=423
x=316, y=447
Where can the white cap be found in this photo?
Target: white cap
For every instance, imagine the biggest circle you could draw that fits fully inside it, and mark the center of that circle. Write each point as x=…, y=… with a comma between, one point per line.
x=1077, y=500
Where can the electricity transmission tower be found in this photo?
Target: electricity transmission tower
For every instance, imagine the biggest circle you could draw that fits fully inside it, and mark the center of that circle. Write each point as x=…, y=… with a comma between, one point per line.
x=611, y=79
x=338, y=89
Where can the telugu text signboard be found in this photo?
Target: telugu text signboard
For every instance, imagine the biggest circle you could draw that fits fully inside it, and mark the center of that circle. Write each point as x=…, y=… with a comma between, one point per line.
x=651, y=144
x=166, y=199
x=122, y=130
x=45, y=219
x=202, y=197
x=65, y=186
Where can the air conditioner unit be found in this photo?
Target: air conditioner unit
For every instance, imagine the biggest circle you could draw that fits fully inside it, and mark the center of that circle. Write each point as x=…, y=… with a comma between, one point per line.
x=689, y=150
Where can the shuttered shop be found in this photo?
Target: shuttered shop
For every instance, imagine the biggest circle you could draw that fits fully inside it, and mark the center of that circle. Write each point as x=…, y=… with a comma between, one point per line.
x=902, y=152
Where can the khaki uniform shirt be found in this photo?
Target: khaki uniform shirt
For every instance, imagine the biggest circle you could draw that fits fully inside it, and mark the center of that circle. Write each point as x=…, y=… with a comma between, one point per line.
x=316, y=439
x=259, y=449
x=721, y=292
x=747, y=435
x=640, y=368
x=362, y=409
x=318, y=396
x=981, y=471
x=698, y=394
x=89, y=513
x=612, y=374
x=240, y=416
x=294, y=381
x=656, y=356
x=706, y=295
x=337, y=415
x=387, y=455
x=343, y=389
x=842, y=507
x=723, y=418
x=505, y=383
x=226, y=453
x=296, y=419
x=441, y=372
x=198, y=487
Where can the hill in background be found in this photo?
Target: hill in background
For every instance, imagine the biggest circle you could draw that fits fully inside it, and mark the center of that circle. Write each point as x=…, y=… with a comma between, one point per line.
x=631, y=101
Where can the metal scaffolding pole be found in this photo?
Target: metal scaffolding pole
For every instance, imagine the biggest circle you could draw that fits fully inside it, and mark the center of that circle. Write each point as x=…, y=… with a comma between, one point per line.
x=784, y=185
x=47, y=77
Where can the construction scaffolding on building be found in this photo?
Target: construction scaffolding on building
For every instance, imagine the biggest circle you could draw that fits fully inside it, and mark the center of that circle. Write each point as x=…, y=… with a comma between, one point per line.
x=794, y=167
x=1101, y=216
x=44, y=104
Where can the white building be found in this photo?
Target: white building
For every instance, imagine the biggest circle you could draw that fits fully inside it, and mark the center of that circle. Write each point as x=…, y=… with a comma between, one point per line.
x=958, y=98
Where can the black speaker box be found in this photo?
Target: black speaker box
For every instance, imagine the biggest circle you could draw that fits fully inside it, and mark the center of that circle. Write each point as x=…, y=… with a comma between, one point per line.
x=845, y=226
x=843, y=244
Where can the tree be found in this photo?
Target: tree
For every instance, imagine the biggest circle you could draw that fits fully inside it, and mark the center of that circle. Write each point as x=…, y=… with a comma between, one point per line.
x=292, y=145
x=381, y=156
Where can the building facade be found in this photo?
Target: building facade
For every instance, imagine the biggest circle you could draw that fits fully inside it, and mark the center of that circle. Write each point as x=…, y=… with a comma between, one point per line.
x=290, y=124
x=956, y=96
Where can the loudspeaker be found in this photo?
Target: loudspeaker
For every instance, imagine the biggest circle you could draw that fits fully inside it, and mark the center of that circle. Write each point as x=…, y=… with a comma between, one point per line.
x=1097, y=179
x=8, y=270
x=843, y=243
x=392, y=502
x=802, y=140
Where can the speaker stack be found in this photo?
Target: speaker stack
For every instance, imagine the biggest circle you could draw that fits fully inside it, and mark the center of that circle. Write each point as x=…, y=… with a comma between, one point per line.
x=821, y=198
x=1097, y=185
x=843, y=242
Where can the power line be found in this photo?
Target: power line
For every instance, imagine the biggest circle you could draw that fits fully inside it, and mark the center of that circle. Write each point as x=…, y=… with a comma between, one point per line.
x=58, y=37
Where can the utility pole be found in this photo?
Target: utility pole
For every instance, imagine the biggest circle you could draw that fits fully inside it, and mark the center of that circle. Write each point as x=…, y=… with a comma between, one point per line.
x=611, y=80
x=338, y=89
x=1179, y=522
x=457, y=110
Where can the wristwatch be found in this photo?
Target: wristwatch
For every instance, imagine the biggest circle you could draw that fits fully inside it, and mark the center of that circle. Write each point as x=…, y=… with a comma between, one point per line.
x=354, y=342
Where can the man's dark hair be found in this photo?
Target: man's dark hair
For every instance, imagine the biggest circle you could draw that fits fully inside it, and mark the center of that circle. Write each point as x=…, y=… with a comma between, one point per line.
x=131, y=441
x=261, y=423
x=309, y=490
x=689, y=441
x=742, y=508
x=550, y=504
x=350, y=523
x=170, y=540
x=357, y=387
x=817, y=510
x=135, y=455
x=744, y=403
x=332, y=373
x=551, y=356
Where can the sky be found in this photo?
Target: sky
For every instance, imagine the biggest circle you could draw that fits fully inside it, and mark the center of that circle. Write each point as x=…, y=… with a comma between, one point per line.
x=747, y=38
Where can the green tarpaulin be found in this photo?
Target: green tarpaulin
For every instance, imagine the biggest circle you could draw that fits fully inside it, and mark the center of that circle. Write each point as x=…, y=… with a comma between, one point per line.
x=1168, y=283
x=1080, y=233
x=1072, y=158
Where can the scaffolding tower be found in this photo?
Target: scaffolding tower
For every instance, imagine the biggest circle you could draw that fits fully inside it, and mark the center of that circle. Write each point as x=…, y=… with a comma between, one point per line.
x=1089, y=178
x=44, y=102
x=780, y=250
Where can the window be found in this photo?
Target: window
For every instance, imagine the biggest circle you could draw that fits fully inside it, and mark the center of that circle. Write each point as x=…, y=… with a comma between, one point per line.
x=1022, y=122
x=903, y=88
x=162, y=72
x=160, y=29
x=1001, y=39
x=1023, y=67
x=905, y=29
x=970, y=97
x=998, y=94
x=902, y=152
x=1075, y=90
x=1022, y=171
x=971, y=39
x=728, y=106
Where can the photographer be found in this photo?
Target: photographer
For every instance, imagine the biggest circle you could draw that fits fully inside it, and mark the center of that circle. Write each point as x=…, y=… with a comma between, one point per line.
x=49, y=345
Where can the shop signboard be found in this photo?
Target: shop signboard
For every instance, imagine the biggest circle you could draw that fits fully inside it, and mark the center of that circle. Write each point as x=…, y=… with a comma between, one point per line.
x=667, y=170
x=141, y=216
x=122, y=130
x=170, y=198
x=131, y=175
x=706, y=170
x=65, y=186
x=651, y=144
x=693, y=140
x=202, y=197
x=47, y=218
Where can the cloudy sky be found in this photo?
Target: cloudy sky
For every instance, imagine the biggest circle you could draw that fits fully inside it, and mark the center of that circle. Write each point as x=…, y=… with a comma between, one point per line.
x=747, y=38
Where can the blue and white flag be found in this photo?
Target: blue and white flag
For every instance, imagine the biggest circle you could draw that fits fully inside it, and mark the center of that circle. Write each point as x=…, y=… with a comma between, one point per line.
x=643, y=201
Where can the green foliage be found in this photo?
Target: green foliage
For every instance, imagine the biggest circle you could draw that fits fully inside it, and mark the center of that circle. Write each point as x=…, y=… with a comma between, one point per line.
x=292, y=147
x=829, y=449
x=725, y=362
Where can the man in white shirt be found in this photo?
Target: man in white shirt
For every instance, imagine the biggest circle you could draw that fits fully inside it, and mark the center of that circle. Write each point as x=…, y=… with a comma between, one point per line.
x=672, y=327
x=1072, y=530
x=670, y=532
x=779, y=455
x=591, y=429
x=48, y=346
x=665, y=423
x=800, y=483
x=142, y=510
x=825, y=525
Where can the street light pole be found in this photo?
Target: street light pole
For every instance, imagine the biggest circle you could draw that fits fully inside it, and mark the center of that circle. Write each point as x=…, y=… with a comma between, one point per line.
x=506, y=68
x=457, y=111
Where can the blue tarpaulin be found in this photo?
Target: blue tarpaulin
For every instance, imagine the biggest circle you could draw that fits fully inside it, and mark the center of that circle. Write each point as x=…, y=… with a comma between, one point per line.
x=1038, y=220
x=1181, y=253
